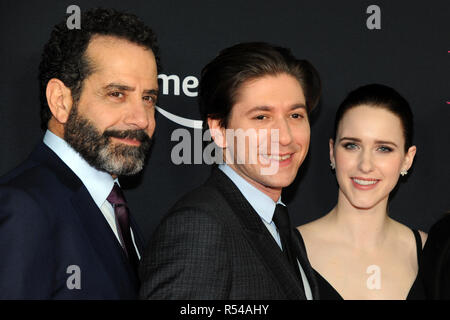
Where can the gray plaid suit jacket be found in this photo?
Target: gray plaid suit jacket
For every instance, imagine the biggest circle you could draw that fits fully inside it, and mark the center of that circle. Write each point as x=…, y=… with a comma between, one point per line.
x=213, y=245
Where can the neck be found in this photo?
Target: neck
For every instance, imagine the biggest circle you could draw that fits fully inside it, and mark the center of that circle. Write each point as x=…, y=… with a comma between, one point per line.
x=56, y=127
x=363, y=228
x=272, y=193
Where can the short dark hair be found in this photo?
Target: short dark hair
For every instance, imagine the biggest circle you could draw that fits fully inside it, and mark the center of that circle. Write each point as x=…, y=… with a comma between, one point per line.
x=64, y=54
x=222, y=78
x=379, y=96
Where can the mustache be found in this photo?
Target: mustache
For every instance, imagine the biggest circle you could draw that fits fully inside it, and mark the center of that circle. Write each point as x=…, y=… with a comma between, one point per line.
x=139, y=135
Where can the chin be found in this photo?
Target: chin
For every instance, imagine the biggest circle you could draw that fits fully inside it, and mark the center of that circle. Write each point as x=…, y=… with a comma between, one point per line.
x=277, y=182
x=364, y=204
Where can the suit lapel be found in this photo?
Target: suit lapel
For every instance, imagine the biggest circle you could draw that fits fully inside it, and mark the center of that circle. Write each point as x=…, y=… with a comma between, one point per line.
x=102, y=238
x=97, y=230
x=259, y=237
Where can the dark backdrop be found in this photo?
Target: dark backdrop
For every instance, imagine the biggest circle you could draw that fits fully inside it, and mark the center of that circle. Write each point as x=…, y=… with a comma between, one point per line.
x=411, y=52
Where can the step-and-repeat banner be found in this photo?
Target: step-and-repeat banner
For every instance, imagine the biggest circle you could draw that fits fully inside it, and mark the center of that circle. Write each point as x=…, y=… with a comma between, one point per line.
x=402, y=44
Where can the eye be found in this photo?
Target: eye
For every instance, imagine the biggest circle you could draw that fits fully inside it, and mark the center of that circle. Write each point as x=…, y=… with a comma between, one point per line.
x=384, y=149
x=260, y=117
x=350, y=146
x=297, y=116
x=116, y=94
x=149, y=99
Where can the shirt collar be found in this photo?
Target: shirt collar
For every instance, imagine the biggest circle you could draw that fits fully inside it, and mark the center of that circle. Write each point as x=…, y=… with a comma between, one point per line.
x=98, y=183
x=262, y=203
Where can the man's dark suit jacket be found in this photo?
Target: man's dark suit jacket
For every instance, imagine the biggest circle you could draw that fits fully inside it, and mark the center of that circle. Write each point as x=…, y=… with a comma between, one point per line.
x=213, y=245
x=436, y=260
x=49, y=222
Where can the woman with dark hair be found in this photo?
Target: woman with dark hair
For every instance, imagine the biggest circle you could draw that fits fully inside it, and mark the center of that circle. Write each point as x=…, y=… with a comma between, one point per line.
x=356, y=250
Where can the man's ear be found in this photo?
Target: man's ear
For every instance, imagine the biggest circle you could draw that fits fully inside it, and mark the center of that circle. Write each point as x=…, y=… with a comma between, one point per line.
x=59, y=99
x=217, y=132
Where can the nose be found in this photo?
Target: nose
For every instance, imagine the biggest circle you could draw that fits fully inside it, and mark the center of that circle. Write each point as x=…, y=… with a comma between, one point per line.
x=365, y=161
x=137, y=114
x=285, y=132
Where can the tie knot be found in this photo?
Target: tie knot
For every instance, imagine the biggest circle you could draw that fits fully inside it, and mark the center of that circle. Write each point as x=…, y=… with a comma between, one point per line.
x=116, y=196
x=281, y=217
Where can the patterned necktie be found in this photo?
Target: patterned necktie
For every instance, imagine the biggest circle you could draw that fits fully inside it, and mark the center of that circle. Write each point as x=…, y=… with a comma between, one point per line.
x=117, y=200
x=283, y=223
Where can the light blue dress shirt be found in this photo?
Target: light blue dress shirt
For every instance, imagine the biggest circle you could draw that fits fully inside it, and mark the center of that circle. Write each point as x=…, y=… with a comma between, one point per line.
x=262, y=203
x=265, y=208
x=98, y=183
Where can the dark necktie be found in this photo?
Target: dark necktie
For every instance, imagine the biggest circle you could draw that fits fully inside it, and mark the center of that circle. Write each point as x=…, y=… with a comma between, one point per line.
x=117, y=200
x=283, y=223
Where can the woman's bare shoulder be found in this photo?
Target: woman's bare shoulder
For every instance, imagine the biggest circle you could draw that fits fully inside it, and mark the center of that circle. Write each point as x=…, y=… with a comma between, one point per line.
x=405, y=232
x=312, y=228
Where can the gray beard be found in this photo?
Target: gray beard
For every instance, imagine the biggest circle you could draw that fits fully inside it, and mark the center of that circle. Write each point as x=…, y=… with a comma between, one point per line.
x=98, y=150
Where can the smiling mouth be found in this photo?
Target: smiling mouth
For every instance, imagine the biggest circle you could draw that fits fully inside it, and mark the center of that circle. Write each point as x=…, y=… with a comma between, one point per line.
x=277, y=157
x=133, y=142
x=280, y=160
x=363, y=183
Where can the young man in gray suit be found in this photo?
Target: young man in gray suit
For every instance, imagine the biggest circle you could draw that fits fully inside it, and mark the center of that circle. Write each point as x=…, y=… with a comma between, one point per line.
x=231, y=238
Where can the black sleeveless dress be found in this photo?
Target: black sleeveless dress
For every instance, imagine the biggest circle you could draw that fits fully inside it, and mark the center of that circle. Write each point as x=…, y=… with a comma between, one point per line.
x=327, y=292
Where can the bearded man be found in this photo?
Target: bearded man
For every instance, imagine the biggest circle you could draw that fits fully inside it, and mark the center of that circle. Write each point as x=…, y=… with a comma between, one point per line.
x=65, y=228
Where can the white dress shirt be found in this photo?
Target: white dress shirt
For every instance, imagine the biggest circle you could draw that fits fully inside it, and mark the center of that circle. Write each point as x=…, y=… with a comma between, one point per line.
x=265, y=208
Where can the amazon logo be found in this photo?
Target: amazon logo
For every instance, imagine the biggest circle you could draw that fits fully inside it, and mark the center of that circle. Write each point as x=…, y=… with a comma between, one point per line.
x=188, y=86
